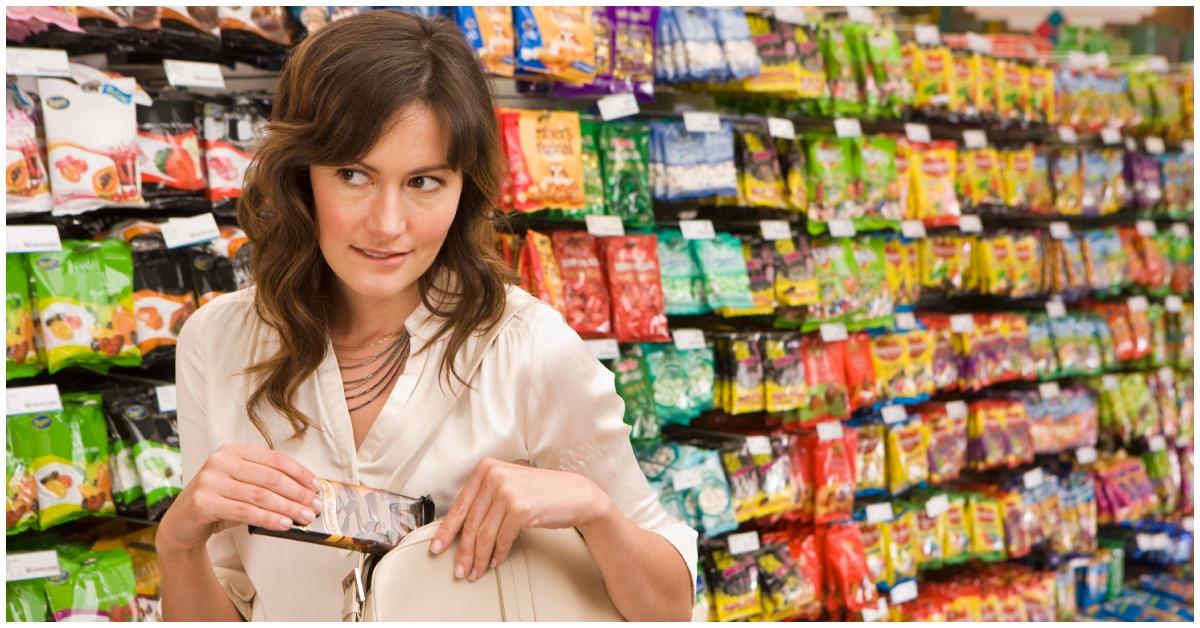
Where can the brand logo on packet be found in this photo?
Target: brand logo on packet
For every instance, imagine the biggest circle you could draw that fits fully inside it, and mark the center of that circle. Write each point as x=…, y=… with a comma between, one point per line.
x=57, y=102
x=43, y=421
x=47, y=263
x=136, y=413
x=111, y=90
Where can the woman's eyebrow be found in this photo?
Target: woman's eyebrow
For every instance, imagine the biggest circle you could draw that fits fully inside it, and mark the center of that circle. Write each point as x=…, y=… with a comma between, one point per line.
x=428, y=169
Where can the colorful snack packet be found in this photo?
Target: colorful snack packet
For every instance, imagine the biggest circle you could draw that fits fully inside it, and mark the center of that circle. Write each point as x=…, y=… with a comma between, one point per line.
x=20, y=349
x=824, y=372
x=638, y=310
x=934, y=167
x=540, y=272
x=21, y=492
x=636, y=390
x=871, y=462
x=908, y=456
x=556, y=41
x=585, y=293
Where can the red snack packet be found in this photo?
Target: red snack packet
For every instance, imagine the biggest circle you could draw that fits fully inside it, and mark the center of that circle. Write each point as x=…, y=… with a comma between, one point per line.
x=585, y=295
x=539, y=269
x=825, y=375
x=514, y=188
x=635, y=285
x=848, y=581
x=860, y=372
x=833, y=474
x=802, y=469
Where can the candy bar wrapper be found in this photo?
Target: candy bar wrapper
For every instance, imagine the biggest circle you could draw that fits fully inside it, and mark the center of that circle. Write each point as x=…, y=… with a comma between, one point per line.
x=356, y=517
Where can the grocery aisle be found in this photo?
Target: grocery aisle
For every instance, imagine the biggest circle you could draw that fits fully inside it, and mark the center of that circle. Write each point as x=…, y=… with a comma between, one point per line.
x=902, y=319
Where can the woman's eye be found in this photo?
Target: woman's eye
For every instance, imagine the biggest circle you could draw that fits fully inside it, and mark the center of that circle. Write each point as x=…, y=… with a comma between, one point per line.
x=350, y=176
x=425, y=184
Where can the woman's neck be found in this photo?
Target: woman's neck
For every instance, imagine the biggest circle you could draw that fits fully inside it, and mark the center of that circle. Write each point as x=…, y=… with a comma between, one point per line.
x=359, y=320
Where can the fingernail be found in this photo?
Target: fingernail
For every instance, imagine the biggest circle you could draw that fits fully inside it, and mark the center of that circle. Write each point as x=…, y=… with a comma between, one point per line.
x=458, y=571
x=316, y=485
x=285, y=522
x=474, y=575
x=436, y=547
x=493, y=563
x=318, y=505
x=307, y=515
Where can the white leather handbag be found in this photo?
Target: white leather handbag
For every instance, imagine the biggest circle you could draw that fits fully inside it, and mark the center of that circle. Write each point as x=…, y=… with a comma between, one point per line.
x=549, y=575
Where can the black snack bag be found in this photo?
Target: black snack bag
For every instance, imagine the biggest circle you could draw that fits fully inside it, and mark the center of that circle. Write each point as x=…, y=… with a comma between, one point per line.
x=356, y=517
x=171, y=159
x=212, y=275
x=163, y=301
x=154, y=440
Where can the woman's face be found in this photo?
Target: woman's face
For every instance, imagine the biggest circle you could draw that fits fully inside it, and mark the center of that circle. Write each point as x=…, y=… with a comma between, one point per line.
x=381, y=221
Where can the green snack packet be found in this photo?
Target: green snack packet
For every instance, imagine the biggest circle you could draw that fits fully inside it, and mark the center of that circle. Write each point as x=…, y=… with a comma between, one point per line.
x=128, y=494
x=845, y=97
x=21, y=497
x=26, y=600
x=70, y=459
x=880, y=184
x=726, y=279
x=21, y=358
x=593, y=177
x=683, y=285
x=94, y=586
x=887, y=67
x=683, y=381
x=832, y=190
x=625, y=158
x=871, y=296
x=153, y=444
x=85, y=304
x=634, y=387
x=832, y=266
x=856, y=38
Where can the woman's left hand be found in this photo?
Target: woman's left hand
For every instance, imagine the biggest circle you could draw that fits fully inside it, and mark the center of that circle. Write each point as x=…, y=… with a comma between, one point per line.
x=501, y=499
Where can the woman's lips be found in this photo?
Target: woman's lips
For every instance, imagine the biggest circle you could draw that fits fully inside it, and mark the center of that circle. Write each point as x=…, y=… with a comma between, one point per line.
x=387, y=258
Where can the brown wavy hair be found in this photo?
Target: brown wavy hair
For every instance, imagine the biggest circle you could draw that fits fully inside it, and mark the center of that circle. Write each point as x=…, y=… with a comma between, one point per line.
x=335, y=98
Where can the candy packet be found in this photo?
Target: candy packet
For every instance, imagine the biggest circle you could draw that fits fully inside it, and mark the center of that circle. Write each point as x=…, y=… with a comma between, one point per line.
x=871, y=461
x=585, y=293
x=794, y=281
x=21, y=357
x=27, y=188
x=726, y=280
x=682, y=379
x=934, y=167
x=633, y=383
x=638, y=310
x=555, y=41
x=833, y=194
x=21, y=492
x=683, y=284
x=903, y=547
x=907, y=455
x=824, y=373
x=625, y=156
x=489, y=30
x=784, y=372
x=539, y=268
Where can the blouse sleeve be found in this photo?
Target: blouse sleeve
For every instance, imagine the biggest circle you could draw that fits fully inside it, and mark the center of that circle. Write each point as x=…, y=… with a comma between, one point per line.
x=575, y=422
x=191, y=363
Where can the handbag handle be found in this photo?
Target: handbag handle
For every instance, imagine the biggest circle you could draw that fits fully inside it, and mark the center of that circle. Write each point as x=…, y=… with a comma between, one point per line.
x=401, y=475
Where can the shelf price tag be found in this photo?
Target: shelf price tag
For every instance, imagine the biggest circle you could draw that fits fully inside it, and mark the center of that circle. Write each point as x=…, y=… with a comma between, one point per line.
x=879, y=513
x=1067, y=135
x=36, y=62
x=829, y=430
x=688, y=478
x=979, y=43
x=1110, y=136
x=686, y=339
x=970, y=223
x=181, y=232
x=617, y=106
x=701, y=122
x=913, y=229
x=860, y=14
x=1110, y=382
x=775, y=229
x=1055, y=308
x=1180, y=229
x=29, y=565
x=975, y=138
x=1146, y=228
x=904, y=592
x=29, y=399
x=1033, y=478
x=841, y=228
x=918, y=132
x=894, y=414
x=905, y=321
x=1131, y=144
x=1174, y=303
x=167, y=398
x=1086, y=455
x=956, y=409
x=927, y=35
x=604, y=226
x=834, y=332
x=879, y=613
x=1158, y=443
x=847, y=127
x=758, y=445
x=1138, y=304
x=1155, y=145
x=1060, y=230
x=962, y=323
x=937, y=505
x=194, y=74
x=604, y=348
x=781, y=128
x=791, y=15
x=1049, y=390
x=743, y=543
x=697, y=229
x=31, y=239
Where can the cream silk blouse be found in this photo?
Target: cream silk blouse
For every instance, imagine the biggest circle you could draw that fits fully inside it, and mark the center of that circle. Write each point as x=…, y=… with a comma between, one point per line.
x=539, y=397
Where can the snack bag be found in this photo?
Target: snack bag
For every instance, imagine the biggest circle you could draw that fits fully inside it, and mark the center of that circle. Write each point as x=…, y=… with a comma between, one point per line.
x=540, y=273
x=171, y=163
x=735, y=587
x=848, y=578
x=944, y=360
x=907, y=455
x=760, y=268
x=556, y=41
x=871, y=462
x=593, y=176
x=230, y=131
x=21, y=494
x=875, y=549
x=163, y=302
x=824, y=373
x=1018, y=176
x=585, y=293
x=1026, y=266
x=625, y=157
x=929, y=531
x=956, y=542
x=869, y=296
x=153, y=442
x=833, y=475
x=128, y=494
x=682, y=379
x=903, y=547
x=1067, y=176
x=21, y=358
x=786, y=589
x=631, y=264
x=832, y=192
x=986, y=524
x=880, y=182
x=26, y=601
x=27, y=187
x=934, y=169
x=794, y=281
x=552, y=144
x=632, y=379
x=845, y=96
x=918, y=366
x=759, y=176
x=784, y=372
x=860, y=371
x=1012, y=90
x=962, y=84
x=1040, y=192
x=489, y=30
x=985, y=184
x=726, y=279
x=984, y=94
x=97, y=586
x=747, y=391
x=1041, y=95
x=889, y=354
x=933, y=71
x=84, y=301
x=900, y=264
x=682, y=282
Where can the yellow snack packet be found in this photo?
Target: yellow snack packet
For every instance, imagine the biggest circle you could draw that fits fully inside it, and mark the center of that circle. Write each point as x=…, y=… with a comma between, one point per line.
x=901, y=535
x=933, y=71
x=552, y=144
x=1017, y=174
x=934, y=169
x=1012, y=90
x=984, y=95
x=907, y=455
x=1041, y=94
x=963, y=84
x=875, y=549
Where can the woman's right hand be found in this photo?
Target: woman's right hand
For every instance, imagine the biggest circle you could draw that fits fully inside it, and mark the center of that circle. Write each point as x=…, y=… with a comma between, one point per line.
x=242, y=485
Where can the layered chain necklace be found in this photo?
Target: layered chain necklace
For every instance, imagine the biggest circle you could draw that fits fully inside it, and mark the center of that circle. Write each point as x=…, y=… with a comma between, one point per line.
x=389, y=357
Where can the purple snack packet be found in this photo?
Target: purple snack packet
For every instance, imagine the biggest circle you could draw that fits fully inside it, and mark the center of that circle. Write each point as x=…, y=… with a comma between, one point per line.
x=1144, y=178
x=625, y=39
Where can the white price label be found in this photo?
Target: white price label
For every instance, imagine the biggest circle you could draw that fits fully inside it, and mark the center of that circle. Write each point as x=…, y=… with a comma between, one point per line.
x=697, y=229
x=1067, y=135
x=775, y=229
x=862, y=15
x=879, y=513
x=617, y=106
x=917, y=132
x=834, y=332
x=1155, y=145
x=979, y=43
x=791, y=15
x=1110, y=136
x=1165, y=374
x=1180, y=230
x=31, y=239
x=36, y=62
x=927, y=35
x=1034, y=478
x=29, y=565
x=167, y=398
x=1060, y=230
x=1131, y=144
x=604, y=348
x=743, y=543
x=937, y=505
x=1188, y=524
x=1110, y=382
x=781, y=128
x=841, y=228
x=905, y=321
x=1049, y=390
x=904, y=592
x=956, y=409
x=1056, y=309
x=913, y=229
x=894, y=414
x=1086, y=455
x=180, y=232
x=1174, y=303
x=970, y=223
x=604, y=226
x=847, y=127
x=701, y=122
x=1146, y=228
x=685, y=479
x=1188, y=146
x=29, y=399
x=686, y=339
x=1138, y=304
x=879, y=613
x=975, y=138
x=1153, y=542
x=962, y=323
x=1158, y=442
x=1098, y=60
x=193, y=74
x=1158, y=63
x=829, y=430
x=758, y=445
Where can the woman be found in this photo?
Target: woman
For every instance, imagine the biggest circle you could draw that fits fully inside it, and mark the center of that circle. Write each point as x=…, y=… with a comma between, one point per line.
x=368, y=205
